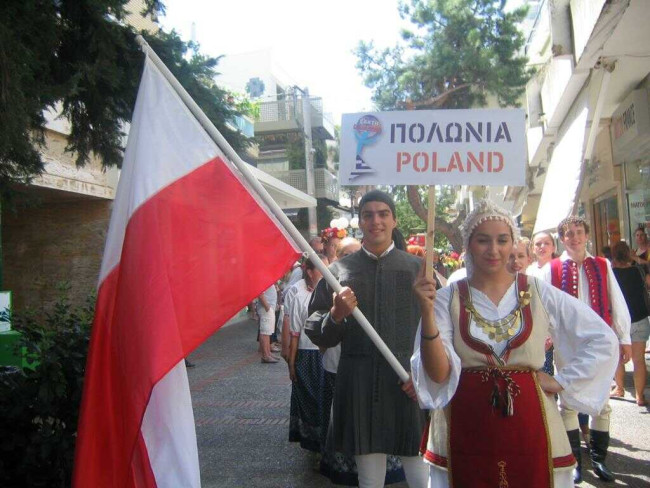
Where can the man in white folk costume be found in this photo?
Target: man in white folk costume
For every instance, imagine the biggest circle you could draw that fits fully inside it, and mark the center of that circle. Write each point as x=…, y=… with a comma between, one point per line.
x=495, y=420
x=591, y=280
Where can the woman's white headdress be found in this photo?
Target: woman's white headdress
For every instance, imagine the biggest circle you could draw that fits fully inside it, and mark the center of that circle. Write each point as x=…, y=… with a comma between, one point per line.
x=483, y=211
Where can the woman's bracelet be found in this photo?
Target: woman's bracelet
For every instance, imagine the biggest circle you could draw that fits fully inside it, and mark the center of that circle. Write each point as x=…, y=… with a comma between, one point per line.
x=430, y=337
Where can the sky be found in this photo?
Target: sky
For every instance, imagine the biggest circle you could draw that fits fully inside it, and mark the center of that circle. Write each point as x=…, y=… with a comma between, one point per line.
x=311, y=41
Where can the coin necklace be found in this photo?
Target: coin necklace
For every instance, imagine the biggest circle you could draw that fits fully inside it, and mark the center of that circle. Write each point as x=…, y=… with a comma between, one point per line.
x=501, y=329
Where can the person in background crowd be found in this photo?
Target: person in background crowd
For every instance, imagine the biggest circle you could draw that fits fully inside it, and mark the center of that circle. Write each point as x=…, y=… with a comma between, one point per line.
x=544, y=251
x=295, y=275
x=631, y=280
x=607, y=253
x=437, y=264
x=520, y=258
x=266, y=304
x=477, y=367
x=305, y=364
x=543, y=247
x=316, y=244
x=347, y=246
x=592, y=281
x=331, y=238
x=642, y=251
x=373, y=415
x=642, y=254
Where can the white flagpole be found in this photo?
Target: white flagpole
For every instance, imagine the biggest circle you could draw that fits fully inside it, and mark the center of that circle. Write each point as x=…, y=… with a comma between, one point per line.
x=273, y=206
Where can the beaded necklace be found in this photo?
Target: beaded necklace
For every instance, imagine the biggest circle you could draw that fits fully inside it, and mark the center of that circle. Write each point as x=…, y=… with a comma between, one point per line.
x=501, y=329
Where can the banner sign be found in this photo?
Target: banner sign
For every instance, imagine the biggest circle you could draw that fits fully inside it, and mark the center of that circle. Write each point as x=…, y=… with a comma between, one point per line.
x=434, y=147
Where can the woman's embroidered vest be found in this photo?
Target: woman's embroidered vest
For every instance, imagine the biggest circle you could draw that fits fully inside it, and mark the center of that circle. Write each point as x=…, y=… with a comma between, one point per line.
x=526, y=351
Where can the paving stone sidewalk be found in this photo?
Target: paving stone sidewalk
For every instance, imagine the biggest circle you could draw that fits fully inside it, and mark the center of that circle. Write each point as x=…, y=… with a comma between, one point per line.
x=241, y=410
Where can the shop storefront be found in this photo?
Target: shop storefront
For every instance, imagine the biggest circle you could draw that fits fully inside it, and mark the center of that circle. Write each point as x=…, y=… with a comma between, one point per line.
x=637, y=178
x=630, y=133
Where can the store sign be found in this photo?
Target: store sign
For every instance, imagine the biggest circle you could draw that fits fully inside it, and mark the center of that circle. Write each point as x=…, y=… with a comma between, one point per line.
x=630, y=127
x=639, y=204
x=434, y=147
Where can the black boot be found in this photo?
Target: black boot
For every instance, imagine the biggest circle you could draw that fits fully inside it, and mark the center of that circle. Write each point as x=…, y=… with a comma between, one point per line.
x=598, y=453
x=574, y=441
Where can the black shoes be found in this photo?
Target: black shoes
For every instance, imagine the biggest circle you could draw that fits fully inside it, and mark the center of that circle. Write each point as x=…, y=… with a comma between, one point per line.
x=574, y=441
x=598, y=453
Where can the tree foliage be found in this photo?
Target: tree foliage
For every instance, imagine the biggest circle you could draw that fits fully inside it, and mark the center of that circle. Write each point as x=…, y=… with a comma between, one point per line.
x=296, y=153
x=457, y=54
x=40, y=405
x=409, y=222
x=78, y=56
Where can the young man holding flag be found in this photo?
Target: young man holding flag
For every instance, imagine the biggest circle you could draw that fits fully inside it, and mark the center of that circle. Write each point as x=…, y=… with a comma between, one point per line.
x=373, y=415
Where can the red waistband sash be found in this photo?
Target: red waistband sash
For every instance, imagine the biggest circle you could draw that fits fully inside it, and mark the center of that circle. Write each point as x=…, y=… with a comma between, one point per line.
x=490, y=449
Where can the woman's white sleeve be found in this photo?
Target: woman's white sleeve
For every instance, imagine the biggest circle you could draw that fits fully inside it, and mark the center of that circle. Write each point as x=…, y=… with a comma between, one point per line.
x=586, y=350
x=432, y=395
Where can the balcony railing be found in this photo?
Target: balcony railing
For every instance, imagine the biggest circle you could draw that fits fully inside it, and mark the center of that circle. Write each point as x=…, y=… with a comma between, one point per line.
x=282, y=115
x=326, y=184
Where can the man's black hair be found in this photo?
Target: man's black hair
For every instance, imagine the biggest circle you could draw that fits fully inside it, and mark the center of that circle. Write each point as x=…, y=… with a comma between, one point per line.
x=378, y=196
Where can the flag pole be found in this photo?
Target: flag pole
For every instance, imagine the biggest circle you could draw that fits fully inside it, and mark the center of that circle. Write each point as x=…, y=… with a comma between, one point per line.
x=304, y=246
x=431, y=226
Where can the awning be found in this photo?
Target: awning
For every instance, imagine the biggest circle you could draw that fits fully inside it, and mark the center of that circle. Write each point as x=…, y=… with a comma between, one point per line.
x=285, y=195
x=563, y=176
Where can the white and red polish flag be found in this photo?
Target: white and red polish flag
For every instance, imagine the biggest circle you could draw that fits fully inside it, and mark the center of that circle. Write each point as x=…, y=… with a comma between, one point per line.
x=188, y=246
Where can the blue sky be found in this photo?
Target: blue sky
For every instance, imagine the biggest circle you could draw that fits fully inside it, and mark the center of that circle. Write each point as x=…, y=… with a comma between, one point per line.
x=312, y=41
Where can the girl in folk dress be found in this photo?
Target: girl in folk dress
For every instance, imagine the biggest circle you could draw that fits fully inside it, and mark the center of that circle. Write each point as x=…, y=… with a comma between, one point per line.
x=495, y=420
x=544, y=250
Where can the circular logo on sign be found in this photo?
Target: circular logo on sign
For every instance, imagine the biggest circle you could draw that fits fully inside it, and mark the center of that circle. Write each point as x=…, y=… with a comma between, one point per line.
x=367, y=127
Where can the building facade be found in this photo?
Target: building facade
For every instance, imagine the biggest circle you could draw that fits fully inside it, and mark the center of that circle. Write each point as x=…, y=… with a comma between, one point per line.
x=284, y=112
x=54, y=233
x=587, y=124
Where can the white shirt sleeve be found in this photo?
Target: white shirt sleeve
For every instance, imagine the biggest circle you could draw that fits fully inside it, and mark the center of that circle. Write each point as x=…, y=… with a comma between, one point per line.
x=288, y=298
x=296, y=322
x=621, y=321
x=432, y=395
x=586, y=350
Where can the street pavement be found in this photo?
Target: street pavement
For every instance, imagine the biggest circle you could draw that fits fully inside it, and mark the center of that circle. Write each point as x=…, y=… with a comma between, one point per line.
x=241, y=410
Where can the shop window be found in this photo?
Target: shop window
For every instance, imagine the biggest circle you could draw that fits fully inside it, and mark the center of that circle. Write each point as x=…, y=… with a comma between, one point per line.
x=607, y=229
x=637, y=177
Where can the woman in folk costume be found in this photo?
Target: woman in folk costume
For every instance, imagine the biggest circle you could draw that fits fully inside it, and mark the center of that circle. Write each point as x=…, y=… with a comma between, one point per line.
x=305, y=363
x=495, y=421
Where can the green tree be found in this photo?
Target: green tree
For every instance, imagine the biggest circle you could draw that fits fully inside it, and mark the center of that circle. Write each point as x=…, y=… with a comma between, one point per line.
x=40, y=404
x=458, y=53
x=296, y=153
x=409, y=222
x=81, y=55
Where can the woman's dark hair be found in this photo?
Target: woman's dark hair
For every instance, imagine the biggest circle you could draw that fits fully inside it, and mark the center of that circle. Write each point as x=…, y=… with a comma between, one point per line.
x=621, y=252
x=607, y=252
x=309, y=264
